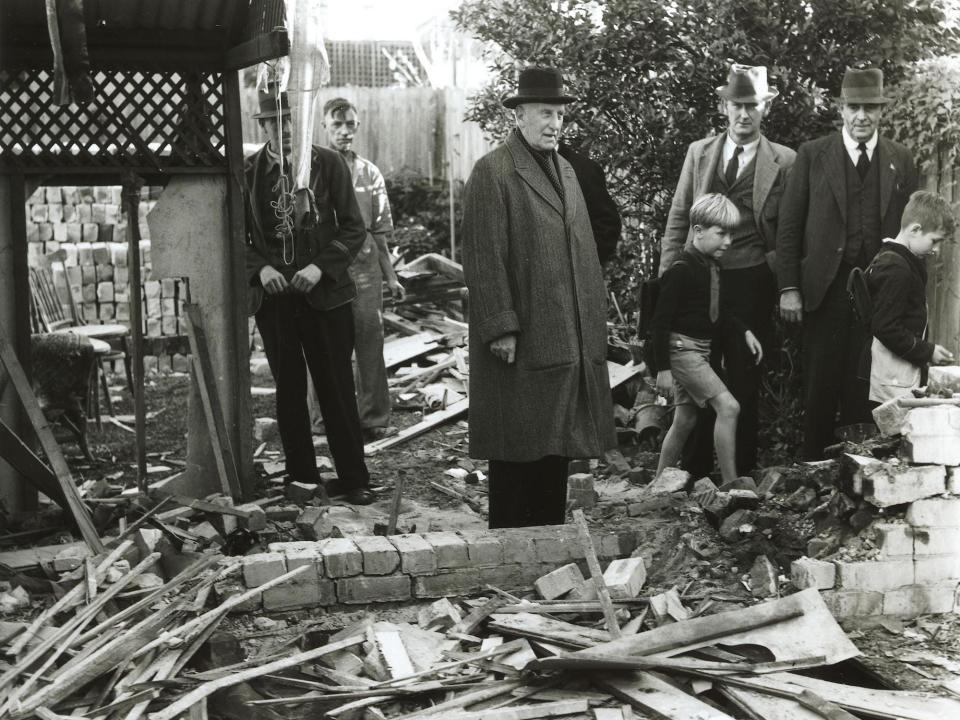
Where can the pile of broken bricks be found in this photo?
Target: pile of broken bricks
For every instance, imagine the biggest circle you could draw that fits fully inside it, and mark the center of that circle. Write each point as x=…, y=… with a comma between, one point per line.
x=901, y=552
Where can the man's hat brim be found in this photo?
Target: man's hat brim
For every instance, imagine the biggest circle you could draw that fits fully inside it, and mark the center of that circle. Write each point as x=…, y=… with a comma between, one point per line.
x=862, y=99
x=514, y=100
x=726, y=94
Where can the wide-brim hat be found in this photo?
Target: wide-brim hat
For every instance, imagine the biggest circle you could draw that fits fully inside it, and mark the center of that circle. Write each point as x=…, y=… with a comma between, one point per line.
x=863, y=87
x=269, y=107
x=747, y=84
x=539, y=85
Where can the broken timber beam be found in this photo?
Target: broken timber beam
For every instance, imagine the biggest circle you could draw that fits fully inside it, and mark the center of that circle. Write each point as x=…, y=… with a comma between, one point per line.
x=58, y=464
x=428, y=423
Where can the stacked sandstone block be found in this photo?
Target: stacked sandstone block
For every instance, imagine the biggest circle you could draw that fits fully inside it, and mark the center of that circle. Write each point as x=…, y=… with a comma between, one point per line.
x=89, y=224
x=907, y=561
x=370, y=569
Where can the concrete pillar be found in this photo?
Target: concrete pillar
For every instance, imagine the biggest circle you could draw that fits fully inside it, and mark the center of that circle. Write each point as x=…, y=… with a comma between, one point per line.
x=190, y=238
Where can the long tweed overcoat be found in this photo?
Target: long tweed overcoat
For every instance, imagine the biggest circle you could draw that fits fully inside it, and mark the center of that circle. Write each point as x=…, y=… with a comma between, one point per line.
x=531, y=268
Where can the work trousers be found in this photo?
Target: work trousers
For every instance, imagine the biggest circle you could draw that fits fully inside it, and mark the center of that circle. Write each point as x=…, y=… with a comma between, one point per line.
x=522, y=494
x=297, y=337
x=833, y=340
x=750, y=295
x=373, y=393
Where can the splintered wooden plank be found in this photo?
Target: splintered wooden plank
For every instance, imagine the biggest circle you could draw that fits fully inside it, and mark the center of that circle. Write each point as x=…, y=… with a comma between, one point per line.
x=521, y=712
x=398, y=352
x=542, y=628
x=770, y=706
x=54, y=455
x=428, y=423
x=650, y=693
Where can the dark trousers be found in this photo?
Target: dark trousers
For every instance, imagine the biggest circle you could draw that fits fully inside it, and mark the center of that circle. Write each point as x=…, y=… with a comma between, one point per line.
x=748, y=294
x=833, y=340
x=297, y=337
x=528, y=493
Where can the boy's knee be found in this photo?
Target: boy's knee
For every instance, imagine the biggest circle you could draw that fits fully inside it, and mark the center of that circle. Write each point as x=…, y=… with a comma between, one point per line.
x=727, y=406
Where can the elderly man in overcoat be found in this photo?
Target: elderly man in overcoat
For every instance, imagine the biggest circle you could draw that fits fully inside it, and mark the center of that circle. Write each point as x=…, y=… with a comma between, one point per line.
x=846, y=193
x=540, y=394
x=752, y=171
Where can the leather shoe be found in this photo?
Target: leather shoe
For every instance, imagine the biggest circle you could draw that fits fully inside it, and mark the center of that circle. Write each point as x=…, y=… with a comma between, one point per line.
x=353, y=495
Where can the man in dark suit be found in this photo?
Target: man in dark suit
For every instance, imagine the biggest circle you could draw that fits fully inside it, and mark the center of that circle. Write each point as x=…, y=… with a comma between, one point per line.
x=846, y=193
x=751, y=171
x=603, y=212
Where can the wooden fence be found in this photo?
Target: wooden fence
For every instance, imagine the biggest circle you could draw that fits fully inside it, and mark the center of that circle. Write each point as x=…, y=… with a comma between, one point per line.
x=943, y=286
x=417, y=128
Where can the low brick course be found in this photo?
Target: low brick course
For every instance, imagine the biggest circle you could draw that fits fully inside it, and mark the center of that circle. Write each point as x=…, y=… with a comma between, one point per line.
x=370, y=569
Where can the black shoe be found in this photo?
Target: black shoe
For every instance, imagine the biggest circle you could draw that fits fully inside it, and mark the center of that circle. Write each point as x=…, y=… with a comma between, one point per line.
x=353, y=495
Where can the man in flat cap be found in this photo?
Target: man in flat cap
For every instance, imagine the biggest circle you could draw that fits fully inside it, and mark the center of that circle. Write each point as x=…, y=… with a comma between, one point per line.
x=539, y=391
x=300, y=291
x=752, y=172
x=845, y=194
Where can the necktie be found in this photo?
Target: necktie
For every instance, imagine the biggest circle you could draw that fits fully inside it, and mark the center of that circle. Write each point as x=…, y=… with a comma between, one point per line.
x=863, y=162
x=714, y=291
x=733, y=166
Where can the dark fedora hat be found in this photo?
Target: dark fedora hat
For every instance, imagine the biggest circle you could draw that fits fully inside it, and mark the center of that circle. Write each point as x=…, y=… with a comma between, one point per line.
x=539, y=85
x=863, y=87
x=268, y=105
x=747, y=84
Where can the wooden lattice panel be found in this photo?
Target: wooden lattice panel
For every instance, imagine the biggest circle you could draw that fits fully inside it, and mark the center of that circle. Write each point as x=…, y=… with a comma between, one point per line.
x=142, y=120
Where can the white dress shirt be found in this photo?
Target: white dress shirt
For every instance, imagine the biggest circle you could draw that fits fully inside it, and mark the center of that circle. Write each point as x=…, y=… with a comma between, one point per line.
x=749, y=152
x=853, y=146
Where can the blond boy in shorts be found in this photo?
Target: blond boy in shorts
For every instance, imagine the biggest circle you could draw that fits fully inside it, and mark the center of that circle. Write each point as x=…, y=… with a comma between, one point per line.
x=686, y=319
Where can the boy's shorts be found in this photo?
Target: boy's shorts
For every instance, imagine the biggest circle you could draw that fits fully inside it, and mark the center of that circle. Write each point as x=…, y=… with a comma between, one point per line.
x=695, y=382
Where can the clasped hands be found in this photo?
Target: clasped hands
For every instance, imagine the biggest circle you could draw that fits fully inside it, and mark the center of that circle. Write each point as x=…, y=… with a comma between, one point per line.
x=303, y=281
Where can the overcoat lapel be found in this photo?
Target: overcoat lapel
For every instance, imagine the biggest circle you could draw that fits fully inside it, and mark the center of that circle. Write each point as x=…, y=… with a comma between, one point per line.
x=833, y=159
x=531, y=173
x=707, y=165
x=570, y=183
x=766, y=173
x=888, y=174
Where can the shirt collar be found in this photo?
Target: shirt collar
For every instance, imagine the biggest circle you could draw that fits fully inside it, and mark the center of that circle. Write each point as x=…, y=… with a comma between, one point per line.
x=749, y=150
x=853, y=146
x=699, y=256
x=273, y=157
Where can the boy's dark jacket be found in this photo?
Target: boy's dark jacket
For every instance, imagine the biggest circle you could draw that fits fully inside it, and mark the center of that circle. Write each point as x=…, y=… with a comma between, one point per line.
x=331, y=245
x=683, y=305
x=897, y=280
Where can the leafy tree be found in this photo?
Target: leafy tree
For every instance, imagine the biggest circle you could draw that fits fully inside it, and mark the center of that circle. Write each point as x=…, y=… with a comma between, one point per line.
x=646, y=71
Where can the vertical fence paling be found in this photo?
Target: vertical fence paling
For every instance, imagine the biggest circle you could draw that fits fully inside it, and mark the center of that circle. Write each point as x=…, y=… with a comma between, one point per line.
x=943, y=287
x=416, y=128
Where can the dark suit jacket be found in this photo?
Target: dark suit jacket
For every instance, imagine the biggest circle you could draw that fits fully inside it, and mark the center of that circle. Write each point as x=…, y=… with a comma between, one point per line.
x=603, y=212
x=813, y=224
x=331, y=245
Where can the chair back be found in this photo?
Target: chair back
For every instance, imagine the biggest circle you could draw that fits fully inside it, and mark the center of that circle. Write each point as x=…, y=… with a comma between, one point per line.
x=48, y=307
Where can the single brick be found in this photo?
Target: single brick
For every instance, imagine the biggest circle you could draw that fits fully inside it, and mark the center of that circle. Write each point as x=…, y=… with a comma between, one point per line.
x=294, y=596
x=449, y=548
x=943, y=380
x=262, y=567
x=886, y=484
x=559, y=582
x=446, y=583
x=889, y=417
x=935, y=512
x=341, y=558
x=416, y=554
x=953, y=480
x=932, y=435
x=309, y=556
x=893, y=539
x=310, y=522
x=300, y=492
x=367, y=589
x=557, y=545
x=916, y=600
x=879, y=575
x=809, y=573
x=483, y=548
x=380, y=557
x=625, y=577
x=512, y=576
x=853, y=603
x=257, y=520
x=936, y=541
x=517, y=543
x=937, y=569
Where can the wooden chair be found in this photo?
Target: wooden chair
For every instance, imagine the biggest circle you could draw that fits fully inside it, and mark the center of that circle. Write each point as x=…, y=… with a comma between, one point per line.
x=52, y=315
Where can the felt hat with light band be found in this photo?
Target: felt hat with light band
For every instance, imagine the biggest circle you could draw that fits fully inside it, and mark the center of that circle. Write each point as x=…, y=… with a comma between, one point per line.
x=269, y=107
x=747, y=84
x=539, y=85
